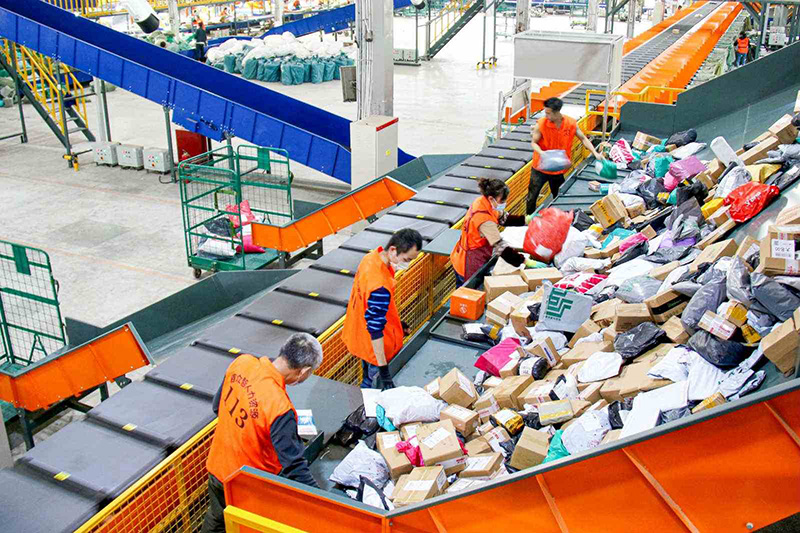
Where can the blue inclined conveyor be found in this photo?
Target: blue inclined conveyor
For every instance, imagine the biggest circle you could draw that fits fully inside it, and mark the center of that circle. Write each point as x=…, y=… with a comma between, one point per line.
x=204, y=99
x=329, y=21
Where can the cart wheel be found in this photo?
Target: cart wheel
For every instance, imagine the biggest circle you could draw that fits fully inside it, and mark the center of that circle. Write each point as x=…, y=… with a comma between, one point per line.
x=197, y=273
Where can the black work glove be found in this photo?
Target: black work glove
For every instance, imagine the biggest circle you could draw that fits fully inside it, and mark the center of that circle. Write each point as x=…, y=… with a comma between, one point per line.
x=386, y=377
x=406, y=329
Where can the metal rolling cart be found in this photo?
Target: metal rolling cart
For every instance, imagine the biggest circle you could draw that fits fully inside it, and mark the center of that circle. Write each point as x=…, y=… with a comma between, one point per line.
x=222, y=191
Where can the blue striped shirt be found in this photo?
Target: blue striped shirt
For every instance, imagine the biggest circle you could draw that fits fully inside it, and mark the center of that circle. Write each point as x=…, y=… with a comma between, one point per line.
x=377, y=307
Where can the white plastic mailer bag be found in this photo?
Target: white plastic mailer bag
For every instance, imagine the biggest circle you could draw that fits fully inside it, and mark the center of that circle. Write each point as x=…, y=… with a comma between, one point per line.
x=361, y=462
x=574, y=246
x=563, y=309
x=410, y=404
x=600, y=366
x=587, y=431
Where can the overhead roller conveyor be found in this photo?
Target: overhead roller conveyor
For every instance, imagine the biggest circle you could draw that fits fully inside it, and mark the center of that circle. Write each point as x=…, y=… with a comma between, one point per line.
x=389, y=224
x=319, y=284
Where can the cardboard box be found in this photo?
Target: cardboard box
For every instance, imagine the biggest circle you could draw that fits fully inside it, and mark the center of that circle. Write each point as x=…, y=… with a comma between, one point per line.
x=593, y=253
x=661, y=273
x=432, y=388
x=630, y=316
x=508, y=393
x=747, y=247
x=421, y=484
x=555, y=412
x=483, y=465
x=591, y=393
x=534, y=277
x=521, y=318
x=538, y=392
x=496, y=437
x=716, y=325
x=467, y=303
x=397, y=461
x=599, y=404
x=716, y=235
x=463, y=419
x=579, y=406
x=671, y=147
x=720, y=216
x=788, y=216
x=595, y=186
x=531, y=449
x=439, y=445
x=604, y=313
x=510, y=369
x=586, y=329
x=675, y=330
x=636, y=210
x=486, y=405
x=509, y=420
x=608, y=210
x=715, y=169
x=409, y=431
x=499, y=309
x=713, y=252
x=634, y=380
x=503, y=268
x=797, y=104
x=706, y=179
x=611, y=436
x=760, y=150
x=783, y=130
x=780, y=346
x=456, y=388
x=478, y=446
x=666, y=305
x=582, y=351
x=491, y=382
x=751, y=336
x=485, y=428
x=780, y=251
x=497, y=285
x=644, y=142
x=708, y=403
x=734, y=312
x=545, y=349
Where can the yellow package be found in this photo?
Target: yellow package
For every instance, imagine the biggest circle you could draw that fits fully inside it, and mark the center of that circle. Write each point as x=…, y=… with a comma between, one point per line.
x=709, y=208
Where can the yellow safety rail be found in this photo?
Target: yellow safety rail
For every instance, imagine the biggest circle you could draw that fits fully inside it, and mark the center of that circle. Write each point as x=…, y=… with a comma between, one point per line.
x=235, y=518
x=447, y=18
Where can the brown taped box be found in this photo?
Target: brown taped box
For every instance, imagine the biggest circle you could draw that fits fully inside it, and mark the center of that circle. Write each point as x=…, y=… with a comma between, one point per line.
x=666, y=305
x=546, y=349
x=713, y=252
x=485, y=428
x=594, y=186
x=661, y=273
x=708, y=403
x=715, y=169
x=477, y=446
x=521, y=319
x=608, y=210
x=735, y=313
x=635, y=380
x=653, y=355
x=510, y=369
x=706, y=179
x=593, y=253
x=499, y=309
x=483, y=465
x=784, y=130
x=720, y=216
x=611, y=436
x=508, y=393
x=675, y=330
x=591, y=393
x=579, y=406
x=555, y=412
x=531, y=449
x=463, y=419
x=716, y=325
x=781, y=243
x=760, y=150
x=409, y=431
x=586, y=329
x=610, y=335
x=636, y=210
x=644, y=142
x=456, y=388
x=599, y=404
x=534, y=277
x=496, y=437
x=497, y=285
x=716, y=235
x=491, y=382
x=503, y=268
x=439, y=444
x=604, y=313
x=630, y=315
x=397, y=461
x=788, y=216
x=432, y=388
x=537, y=392
x=748, y=246
x=554, y=374
x=486, y=405
x=780, y=346
x=421, y=484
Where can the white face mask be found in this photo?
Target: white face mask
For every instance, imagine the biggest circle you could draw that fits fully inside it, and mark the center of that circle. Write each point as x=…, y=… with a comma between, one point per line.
x=500, y=207
x=401, y=266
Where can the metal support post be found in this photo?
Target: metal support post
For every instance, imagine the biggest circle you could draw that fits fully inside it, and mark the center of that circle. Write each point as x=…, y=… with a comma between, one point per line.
x=523, y=16
x=375, y=68
x=18, y=91
x=6, y=460
x=101, y=108
x=174, y=17
x=416, y=36
x=277, y=12
x=234, y=19
x=173, y=169
x=631, y=19
x=764, y=11
x=591, y=16
x=428, y=33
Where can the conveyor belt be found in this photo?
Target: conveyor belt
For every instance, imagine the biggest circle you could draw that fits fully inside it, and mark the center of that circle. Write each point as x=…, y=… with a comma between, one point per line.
x=425, y=211
x=320, y=284
x=195, y=367
x=464, y=171
x=389, y=224
x=365, y=241
x=245, y=335
x=506, y=153
x=444, y=197
x=455, y=183
x=294, y=312
x=480, y=161
x=340, y=260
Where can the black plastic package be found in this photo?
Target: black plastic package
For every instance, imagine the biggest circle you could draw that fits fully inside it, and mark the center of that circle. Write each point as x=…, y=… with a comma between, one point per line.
x=707, y=298
x=580, y=220
x=357, y=426
x=682, y=138
x=614, y=417
x=650, y=189
x=663, y=256
x=672, y=415
x=633, y=252
x=773, y=296
x=638, y=340
x=720, y=353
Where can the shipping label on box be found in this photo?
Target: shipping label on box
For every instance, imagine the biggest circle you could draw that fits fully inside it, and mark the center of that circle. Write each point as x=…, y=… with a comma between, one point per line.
x=455, y=388
x=496, y=437
x=482, y=466
x=439, y=444
x=531, y=449
x=716, y=325
x=463, y=419
x=397, y=462
x=432, y=388
x=608, y=210
x=545, y=349
x=409, y=431
x=486, y=406
x=780, y=251
x=421, y=484
x=537, y=393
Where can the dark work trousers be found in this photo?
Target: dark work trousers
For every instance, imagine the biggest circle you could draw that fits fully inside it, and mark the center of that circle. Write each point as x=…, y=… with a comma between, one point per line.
x=538, y=180
x=214, y=521
x=200, y=52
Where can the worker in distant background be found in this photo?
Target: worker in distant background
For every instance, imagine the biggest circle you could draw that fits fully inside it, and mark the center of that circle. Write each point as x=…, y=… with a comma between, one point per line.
x=372, y=328
x=257, y=423
x=200, y=42
x=742, y=48
x=223, y=17
x=480, y=233
x=554, y=131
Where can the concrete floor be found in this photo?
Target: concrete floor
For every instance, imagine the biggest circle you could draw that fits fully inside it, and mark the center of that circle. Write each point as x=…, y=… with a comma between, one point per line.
x=115, y=237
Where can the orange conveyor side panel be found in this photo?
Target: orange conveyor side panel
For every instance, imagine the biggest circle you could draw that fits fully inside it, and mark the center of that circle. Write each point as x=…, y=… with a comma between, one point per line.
x=732, y=471
x=71, y=373
x=349, y=209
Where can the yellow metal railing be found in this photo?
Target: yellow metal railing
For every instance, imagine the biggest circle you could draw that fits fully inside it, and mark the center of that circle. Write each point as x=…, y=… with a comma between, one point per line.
x=235, y=518
x=447, y=18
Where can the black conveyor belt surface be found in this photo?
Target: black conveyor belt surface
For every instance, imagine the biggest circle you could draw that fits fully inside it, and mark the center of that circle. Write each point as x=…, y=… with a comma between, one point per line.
x=440, y=196
x=502, y=153
x=340, y=260
x=246, y=335
x=365, y=241
x=425, y=211
x=494, y=163
x=295, y=312
x=389, y=224
x=456, y=184
x=464, y=171
x=195, y=367
x=315, y=283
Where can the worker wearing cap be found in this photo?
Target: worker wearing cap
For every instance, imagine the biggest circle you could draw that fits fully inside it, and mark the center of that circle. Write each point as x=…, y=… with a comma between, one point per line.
x=742, y=48
x=480, y=233
x=372, y=328
x=553, y=131
x=257, y=423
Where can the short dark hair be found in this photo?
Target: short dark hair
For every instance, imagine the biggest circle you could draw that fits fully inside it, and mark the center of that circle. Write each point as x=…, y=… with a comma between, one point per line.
x=493, y=187
x=554, y=104
x=405, y=239
x=302, y=351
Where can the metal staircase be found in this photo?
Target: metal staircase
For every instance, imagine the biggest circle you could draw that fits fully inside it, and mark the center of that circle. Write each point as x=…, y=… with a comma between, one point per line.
x=54, y=91
x=449, y=22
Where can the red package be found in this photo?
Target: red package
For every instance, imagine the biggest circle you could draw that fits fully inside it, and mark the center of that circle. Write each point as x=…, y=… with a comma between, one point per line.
x=748, y=200
x=249, y=247
x=581, y=281
x=621, y=152
x=246, y=214
x=412, y=451
x=546, y=233
x=495, y=358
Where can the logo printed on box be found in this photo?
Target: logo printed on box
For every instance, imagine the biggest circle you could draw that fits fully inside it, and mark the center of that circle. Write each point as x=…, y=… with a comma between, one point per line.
x=558, y=303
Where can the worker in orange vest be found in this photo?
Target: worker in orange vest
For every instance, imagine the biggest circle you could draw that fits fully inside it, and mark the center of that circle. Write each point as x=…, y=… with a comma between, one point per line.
x=554, y=131
x=480, y=233
x=742, y=48
x=372, y=329
x=257, y=423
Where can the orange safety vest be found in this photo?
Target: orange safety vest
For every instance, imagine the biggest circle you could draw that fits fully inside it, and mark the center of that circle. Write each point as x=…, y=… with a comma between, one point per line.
x=554, y=138
x=372, y=274
x=743, y=45
x=471, y=240
x=253, y=396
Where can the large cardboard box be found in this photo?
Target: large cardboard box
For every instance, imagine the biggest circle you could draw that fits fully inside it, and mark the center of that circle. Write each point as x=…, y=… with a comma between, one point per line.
x=463, y=419
x=591, y=393
x=521, y=318
x=716, y=235
x=579, y=406
x=780, y=346
x=537, y=393
x=666, y=305
x=508, y=393
x=630, y=316
x=456, y=388
x=747, y=247
x=608, y=210
x=717, y=325
x=780, y=251
x=760, y=150
x=675, y=330
x=545, y=349
x=531, y=449
x=644, y=142
x=661, y=273
x=784, y=130
x=421, y=484
x=467, y=303
x=486, y=405
x=604, y=313
x=586, y=329
x=534, y=277
x=510, y=369
x=555, y=412
x=582, y=351
x=711, y=253
x=482, y=466
x=497, y=285
x=439, y=445
x=397, y=461
x=499, y=310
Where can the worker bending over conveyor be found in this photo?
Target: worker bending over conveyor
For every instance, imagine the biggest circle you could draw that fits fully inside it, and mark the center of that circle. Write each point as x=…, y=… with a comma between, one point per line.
x=480, y=233
x=257, y=423
x=372, y=328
